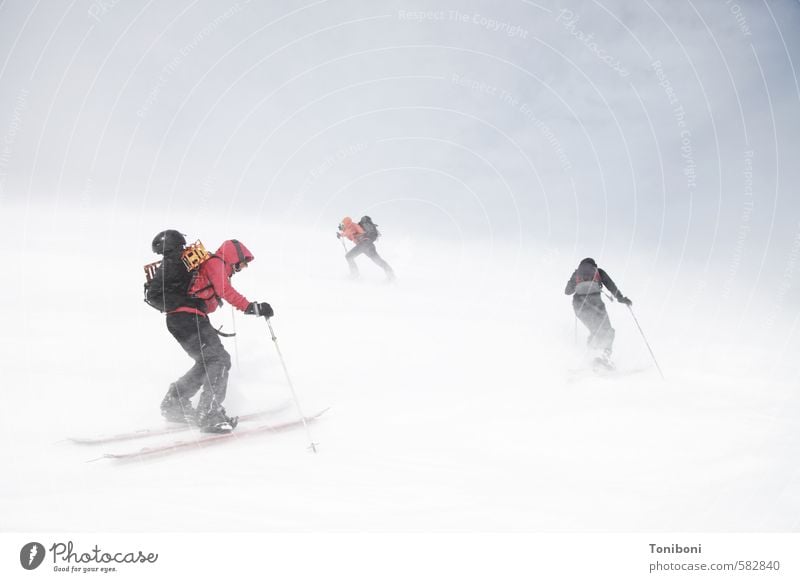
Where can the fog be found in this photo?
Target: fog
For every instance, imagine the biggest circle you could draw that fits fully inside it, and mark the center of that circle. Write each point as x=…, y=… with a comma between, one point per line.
x=495, y=145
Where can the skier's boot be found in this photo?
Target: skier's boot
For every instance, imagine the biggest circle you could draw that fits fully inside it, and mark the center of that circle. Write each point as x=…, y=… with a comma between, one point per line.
x=211, y=417
x=603, y=363
x=176, y=408
x=354, y=272
x=217, y=421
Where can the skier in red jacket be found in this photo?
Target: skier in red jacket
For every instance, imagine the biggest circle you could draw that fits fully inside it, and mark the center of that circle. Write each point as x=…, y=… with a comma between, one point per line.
x=364, y=244
x=190, y=326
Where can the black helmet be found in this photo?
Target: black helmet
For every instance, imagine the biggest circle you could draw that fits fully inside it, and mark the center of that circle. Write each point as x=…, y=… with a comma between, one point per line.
x=168, y=240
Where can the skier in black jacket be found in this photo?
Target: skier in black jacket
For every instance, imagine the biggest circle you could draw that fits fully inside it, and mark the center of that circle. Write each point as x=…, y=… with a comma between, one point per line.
x=586, y=285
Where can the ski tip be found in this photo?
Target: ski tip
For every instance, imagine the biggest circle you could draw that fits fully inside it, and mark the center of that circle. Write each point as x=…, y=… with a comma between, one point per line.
x=80, y=441
x=320, y=413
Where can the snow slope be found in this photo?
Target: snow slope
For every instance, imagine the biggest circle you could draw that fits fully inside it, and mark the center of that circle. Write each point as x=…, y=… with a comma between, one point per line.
x=452, y=402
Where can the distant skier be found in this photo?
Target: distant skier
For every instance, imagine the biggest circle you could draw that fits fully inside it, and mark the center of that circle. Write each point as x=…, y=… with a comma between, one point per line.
x=363, y=233
x=187, y=320
x=586, y=283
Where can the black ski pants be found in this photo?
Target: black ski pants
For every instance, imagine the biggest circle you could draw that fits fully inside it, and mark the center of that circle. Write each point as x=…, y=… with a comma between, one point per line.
x=211, y=362
x=366, y=247
x=591, y=310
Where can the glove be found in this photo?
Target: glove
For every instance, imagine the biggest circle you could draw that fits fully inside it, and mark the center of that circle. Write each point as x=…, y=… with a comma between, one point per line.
x=625, y=301
x=260, y=309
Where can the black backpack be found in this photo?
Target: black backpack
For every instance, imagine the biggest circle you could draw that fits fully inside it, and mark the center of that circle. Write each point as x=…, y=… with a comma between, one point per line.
x=168, y=284
x=587, y=272
x=370, y=228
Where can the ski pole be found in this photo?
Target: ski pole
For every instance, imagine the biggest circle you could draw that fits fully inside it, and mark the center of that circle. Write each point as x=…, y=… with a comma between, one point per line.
x=312, y=445
x=576, y=329
x=235, y=341
x=646, y=342
x=344, y=246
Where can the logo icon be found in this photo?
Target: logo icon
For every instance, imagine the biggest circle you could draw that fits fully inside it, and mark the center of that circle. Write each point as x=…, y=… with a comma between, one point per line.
x=31, y=555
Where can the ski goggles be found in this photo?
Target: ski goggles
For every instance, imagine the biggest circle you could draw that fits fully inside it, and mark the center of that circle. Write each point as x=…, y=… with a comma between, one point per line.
x=242, y=264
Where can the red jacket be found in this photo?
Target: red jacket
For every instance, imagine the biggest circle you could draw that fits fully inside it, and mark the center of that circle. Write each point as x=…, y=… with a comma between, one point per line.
x=351, y=230
x=213, y=281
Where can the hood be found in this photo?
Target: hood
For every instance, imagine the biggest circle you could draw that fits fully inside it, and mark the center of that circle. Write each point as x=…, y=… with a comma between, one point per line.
x=233, y=252
x=589, y=261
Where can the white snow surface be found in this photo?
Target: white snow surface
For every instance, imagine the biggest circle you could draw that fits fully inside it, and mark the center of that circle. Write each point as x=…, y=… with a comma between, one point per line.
x=452, y=402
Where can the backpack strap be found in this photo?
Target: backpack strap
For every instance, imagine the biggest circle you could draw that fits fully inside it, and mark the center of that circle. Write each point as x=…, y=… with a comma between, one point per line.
x=238, y=246
x=209, y=286
x=596, y=277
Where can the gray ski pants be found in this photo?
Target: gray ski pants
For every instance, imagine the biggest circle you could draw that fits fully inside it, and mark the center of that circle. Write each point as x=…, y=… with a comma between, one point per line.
x=211, y=362
x=366, y=247
x=591, y=310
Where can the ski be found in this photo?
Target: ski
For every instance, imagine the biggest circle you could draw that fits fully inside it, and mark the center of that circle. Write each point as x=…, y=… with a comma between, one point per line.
x=209, y=439
x=169, y=429
x=585, y=373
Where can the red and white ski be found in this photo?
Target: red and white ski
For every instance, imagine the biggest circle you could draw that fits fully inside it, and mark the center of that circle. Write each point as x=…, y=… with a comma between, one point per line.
x=167, y=429
x=209, y=439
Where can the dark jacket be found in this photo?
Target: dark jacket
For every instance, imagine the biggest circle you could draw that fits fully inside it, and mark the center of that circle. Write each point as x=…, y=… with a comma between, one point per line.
x=589, y=279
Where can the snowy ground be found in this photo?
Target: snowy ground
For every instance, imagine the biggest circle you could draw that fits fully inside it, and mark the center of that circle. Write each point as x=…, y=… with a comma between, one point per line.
x=452, y=403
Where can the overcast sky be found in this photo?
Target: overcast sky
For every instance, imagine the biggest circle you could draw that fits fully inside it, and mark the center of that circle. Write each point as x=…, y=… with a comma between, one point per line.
x=607, y=128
